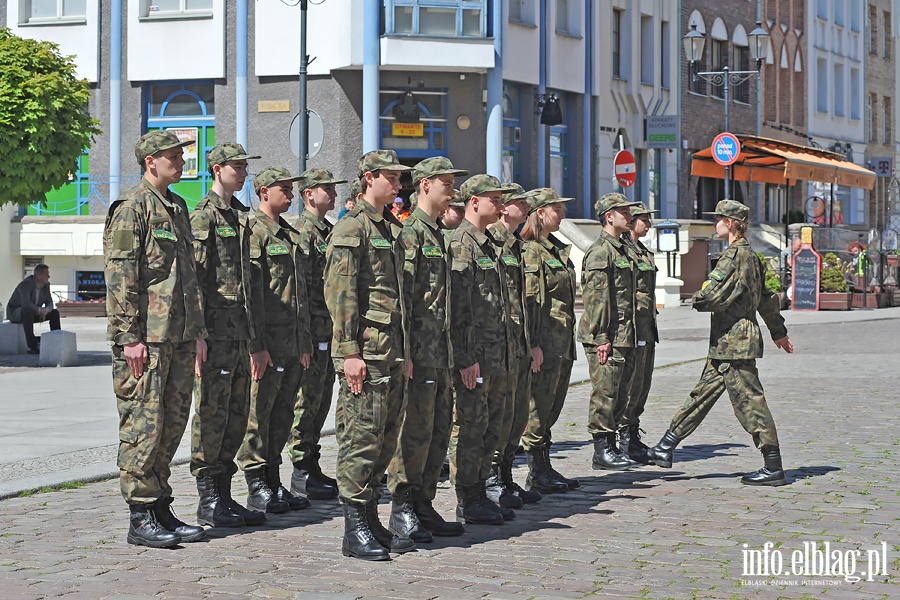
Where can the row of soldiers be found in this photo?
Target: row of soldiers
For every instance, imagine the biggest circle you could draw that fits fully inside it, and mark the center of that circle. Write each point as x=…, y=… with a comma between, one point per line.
x=214, y=304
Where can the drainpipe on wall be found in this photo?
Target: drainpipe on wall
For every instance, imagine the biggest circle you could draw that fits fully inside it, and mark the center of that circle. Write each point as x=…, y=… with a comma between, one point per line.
x=240, y=121
x=115, y=99
x=586, y=129
x=542, y=89
x=371, y=83
x=494, y=132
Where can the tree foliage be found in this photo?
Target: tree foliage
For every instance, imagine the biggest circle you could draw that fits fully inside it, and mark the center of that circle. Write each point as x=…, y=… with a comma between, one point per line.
x=832, y=279
x=44, y=119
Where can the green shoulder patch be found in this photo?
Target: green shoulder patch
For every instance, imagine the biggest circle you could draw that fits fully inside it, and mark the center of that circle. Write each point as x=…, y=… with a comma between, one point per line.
x=510, y=261
x=380, y=243
x=123, y=239
x=165, y=234
x=623, y=263
x=646, y=267
x=277, y=249
x=432, y=252
x=485, y=263
x=554, y=263
x=717, y=275
x=321, y=247
x=226, y=231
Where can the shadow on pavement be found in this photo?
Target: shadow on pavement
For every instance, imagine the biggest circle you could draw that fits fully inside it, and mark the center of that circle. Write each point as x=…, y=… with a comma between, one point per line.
x=804, y=472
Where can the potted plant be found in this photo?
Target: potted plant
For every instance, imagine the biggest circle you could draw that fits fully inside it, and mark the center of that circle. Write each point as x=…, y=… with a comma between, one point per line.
x=772, y=281
x=833, y=289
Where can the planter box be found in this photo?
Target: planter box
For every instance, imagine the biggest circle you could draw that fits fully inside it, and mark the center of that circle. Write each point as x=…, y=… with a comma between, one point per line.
x=834, y=300
x=873, y=300
x=81, y=309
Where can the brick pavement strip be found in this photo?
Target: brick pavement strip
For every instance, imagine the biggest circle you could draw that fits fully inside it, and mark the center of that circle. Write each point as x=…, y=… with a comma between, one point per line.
x=647, y=533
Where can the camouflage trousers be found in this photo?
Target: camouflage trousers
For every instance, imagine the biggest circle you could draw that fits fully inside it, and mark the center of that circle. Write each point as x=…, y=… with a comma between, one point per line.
x=153, y=413
x=609, y=389
x=221, y=408
x=549, y=388
x=367, y=427
x=272, y=401
x=477, y=419
x=312, y=407
x=741, y=379
x=515, y=415
x=639, y=385
x=424, y=436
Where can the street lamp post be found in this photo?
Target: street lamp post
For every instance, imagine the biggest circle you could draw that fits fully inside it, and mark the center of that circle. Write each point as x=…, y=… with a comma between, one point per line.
x=693, y=48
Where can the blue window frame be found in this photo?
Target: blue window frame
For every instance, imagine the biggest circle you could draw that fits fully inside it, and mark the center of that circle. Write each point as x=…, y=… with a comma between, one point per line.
x=512, y=128
x=423, y=138
x=436, y=18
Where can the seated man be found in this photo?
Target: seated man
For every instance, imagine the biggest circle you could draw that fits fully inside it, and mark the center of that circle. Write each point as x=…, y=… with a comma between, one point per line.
x=31, y=303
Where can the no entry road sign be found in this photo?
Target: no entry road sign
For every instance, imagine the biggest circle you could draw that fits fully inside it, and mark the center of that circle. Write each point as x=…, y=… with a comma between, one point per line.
x=725, y=148
x=624, y=168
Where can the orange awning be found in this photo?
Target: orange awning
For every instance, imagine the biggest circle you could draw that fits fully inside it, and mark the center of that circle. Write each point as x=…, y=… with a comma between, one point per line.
x=766, y=160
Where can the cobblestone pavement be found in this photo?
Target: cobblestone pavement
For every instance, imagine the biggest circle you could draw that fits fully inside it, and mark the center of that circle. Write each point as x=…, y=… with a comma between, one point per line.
x=646, y=533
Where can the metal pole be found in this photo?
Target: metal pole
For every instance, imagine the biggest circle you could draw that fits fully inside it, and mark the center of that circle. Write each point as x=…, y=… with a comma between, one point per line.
x=726, y=85
x=303, y=123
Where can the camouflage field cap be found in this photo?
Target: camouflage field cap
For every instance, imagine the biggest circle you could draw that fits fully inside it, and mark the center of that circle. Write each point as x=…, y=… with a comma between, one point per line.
x=222, y=153
x=313, y=177
x=434, y=166
x=610, y=201
x=413, y=200
x=379, y=160
x=481, y=184
x=731, y=209
x=543, y=197
x=270, y=176
x=518, y=194
x=157, y=141
x=641, y=209
x=457, y=200
x=355, y=189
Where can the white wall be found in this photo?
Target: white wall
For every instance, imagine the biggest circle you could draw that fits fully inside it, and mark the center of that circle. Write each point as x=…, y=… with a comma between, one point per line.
x=175, y=48
x=423, y=54
x=334, y=33
x=79, y=39
x=10, y=261
x=521, y=53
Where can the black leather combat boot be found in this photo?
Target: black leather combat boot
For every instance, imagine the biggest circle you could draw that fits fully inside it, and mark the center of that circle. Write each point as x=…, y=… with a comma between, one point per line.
x=661, y=453
x=145, y=530
x=250, y=517
x=260, y=496
x=404, y=522
x=480, y=492
x=498, y=493
x=434, y=522
x=637, y=449
x=273, y=478
x=307, y=481
x=212, y=510
x=392, y=542
x=573, y=484
x=527, y=496
x=359, y=542
x=166, y=518
x=623, y=441
x=471, y=511
x=605, y=456
x=540, y=477
x=771, y=474
x=316, y=468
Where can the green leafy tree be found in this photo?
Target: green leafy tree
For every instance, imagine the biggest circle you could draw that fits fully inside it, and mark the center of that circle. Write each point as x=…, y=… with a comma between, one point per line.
x=44, y=119
x=832, y=278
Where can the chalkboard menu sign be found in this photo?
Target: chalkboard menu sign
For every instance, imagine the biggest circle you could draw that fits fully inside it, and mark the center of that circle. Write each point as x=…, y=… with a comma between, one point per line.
x=807, y=266
x=90, y=285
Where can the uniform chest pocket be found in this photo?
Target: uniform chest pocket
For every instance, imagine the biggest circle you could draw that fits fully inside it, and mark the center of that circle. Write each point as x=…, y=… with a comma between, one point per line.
x=381, y=255
x=281, y=264
x=161, y=245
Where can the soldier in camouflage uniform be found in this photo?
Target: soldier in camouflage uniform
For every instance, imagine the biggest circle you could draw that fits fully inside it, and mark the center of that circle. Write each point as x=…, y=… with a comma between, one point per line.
x=156, y=325
x=221, y=229
x=363, y=291
x=501, y=488
x=352, y=198
x=314, y=399
x=646, y=331
x=479, y=297
x=734, y=293
x=425, y=433
x=282, y=338
x=550, y=309
x=453, y=215
x=607, y=328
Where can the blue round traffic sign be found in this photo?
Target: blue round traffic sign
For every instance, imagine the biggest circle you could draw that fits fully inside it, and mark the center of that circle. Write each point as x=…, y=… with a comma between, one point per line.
x=725, y=148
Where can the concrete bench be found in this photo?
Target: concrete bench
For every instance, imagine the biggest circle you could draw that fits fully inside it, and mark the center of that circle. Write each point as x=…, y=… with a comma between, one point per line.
x=58, y=349
x=12, y=338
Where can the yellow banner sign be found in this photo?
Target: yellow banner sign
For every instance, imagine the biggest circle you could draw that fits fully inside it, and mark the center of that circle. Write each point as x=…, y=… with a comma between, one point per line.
x=407, y=129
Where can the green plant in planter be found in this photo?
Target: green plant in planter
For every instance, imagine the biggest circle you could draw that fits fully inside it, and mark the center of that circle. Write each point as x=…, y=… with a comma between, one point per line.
x=772, y=281
x=832, y=279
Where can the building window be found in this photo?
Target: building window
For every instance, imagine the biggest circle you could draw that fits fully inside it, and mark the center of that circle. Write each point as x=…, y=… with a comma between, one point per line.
x=512, y=134
x=515, y=10
x=718, y=63
x=872, y=117
x=839, y=16
x=664, y=54
x=617, y=43
x=873, y=30
x=839, y=90
x=888, y=122
x=854, y=94
x=822, y=85
x=648, y=56
x=856, y=14
x=886, y=37
x=414, y=126
x=436, y=18
x=41, y=11
x=559, y=159
x=822, y=9
x=742, y=63
x=568, y=17
x=167, y=9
